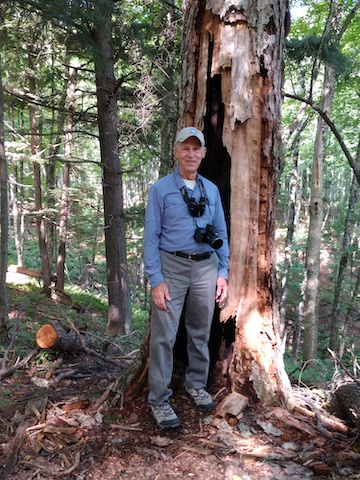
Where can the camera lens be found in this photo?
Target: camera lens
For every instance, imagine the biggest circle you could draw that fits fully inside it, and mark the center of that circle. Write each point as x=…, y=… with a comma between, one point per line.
x=216, y=243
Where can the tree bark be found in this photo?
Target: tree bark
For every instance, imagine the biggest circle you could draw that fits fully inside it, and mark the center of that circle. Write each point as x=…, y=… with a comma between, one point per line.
x=119, y=314
x=311, y=320
x=294, y=194
x=64, y=207
x=40, y=220
x=231, y=79
x=167, y=94
x=349, y=226
x=55, y=337
x=4, y=204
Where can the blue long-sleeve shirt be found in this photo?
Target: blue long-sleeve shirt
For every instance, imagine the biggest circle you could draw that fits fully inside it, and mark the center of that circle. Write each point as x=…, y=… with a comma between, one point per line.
x=169, y=225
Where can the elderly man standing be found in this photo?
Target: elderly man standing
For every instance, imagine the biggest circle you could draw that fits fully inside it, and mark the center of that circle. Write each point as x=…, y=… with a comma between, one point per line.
x=186, y=260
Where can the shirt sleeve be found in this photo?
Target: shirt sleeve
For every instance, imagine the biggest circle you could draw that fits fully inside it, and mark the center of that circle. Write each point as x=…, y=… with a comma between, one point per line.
x=153, y=222
x=223, y=251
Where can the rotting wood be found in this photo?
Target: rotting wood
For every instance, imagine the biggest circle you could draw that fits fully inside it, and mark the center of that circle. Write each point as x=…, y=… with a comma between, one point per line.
x=329, y=423
x=95, y=407
x=232, y=405
x=49, y=468
x=16, y=444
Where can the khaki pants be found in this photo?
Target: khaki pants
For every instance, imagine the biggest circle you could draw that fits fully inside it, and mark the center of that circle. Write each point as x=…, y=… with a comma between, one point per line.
x=195, y=282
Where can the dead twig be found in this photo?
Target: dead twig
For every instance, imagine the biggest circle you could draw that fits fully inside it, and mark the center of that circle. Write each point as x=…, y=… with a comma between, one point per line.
x=90, y=351
x=6, y=372
x=129, y=428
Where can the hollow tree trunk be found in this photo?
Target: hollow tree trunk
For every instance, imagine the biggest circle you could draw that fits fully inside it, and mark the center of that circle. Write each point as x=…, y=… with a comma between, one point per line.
x=230, y=86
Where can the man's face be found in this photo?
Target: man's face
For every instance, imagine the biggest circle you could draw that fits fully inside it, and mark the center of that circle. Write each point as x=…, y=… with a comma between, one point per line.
x=189, y=155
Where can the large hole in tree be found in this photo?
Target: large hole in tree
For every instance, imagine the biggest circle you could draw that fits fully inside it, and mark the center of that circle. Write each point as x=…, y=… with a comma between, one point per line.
x=216, y=167
x=221, y=341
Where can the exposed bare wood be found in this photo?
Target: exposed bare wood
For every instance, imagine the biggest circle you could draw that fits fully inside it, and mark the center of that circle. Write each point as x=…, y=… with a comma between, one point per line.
x=14, y=449
x=55, y=337
x=231, y=82
x=25, y=271
x=330, y=423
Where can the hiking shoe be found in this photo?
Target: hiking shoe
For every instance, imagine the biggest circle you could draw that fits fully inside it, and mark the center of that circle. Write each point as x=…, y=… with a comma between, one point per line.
x=202, y=399
x=165, y=416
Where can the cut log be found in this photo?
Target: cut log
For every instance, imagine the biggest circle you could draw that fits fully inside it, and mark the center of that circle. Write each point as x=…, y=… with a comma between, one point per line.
x=55, y=337
x=58, y=296
x=24, y=271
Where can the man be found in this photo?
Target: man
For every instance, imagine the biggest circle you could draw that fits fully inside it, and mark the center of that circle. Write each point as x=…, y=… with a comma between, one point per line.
x=186, y=260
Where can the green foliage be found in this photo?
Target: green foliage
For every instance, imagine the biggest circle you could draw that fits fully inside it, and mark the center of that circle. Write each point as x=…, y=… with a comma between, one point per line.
x=4, y=398
x=316, y=373
x=299, y=49
x=54, y=35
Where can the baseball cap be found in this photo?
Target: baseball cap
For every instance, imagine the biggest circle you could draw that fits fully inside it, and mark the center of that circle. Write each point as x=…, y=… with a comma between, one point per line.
x=188, y=132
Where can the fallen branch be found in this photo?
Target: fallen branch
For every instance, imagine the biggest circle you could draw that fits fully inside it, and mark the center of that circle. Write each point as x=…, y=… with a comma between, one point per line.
x=332, y=424
x=6, y=372
x=89, y=350
x=128, y=428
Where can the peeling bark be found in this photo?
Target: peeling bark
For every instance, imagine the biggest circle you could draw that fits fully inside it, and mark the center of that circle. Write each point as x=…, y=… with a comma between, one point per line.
x=232, y=74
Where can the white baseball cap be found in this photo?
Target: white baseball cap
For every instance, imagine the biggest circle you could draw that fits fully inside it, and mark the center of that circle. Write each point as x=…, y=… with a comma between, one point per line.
x=188, y=132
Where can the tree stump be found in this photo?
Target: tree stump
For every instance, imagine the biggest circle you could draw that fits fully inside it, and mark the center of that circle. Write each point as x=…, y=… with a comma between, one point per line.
x=346, y=403
x=55, y=337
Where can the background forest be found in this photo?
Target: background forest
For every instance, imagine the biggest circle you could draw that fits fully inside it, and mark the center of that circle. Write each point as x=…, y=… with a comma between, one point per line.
x=55, y=167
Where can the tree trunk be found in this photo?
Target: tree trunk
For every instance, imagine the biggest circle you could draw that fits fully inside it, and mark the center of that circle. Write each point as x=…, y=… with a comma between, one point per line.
x=294, y=194
x=64, y=207
x=231, y=79
x=311, y=320
x=16, y=195
x=119, y=315
x=17, y=213
x=343, y=264
x=351, y=313
x=40, y=220
x=167, y=95
x=4, y=204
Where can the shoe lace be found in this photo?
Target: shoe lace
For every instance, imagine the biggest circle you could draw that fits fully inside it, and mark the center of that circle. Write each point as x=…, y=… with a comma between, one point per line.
x=200, y=393
x=166, y=409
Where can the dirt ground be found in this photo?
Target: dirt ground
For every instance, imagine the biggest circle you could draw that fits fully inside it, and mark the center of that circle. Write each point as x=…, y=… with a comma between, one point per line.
x=73, y=423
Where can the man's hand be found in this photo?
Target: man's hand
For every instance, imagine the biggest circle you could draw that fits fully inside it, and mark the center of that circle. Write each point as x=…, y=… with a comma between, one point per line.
x=160, y=294
x=221, y=291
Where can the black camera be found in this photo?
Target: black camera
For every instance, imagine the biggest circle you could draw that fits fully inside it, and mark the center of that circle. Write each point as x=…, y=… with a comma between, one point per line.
x=196, y=209
x=208, y=235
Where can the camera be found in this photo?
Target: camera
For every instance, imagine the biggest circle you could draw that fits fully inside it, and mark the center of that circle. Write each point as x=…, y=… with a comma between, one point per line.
x=208, y=235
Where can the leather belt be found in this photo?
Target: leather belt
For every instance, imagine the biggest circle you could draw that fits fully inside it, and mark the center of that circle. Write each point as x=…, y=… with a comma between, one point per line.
x=193, y=256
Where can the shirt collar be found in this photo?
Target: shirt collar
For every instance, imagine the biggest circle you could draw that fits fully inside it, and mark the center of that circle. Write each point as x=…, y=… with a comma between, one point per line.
x=180, y=181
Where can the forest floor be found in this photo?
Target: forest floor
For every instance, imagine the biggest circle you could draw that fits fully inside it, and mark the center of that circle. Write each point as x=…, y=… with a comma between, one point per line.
x=67, y=418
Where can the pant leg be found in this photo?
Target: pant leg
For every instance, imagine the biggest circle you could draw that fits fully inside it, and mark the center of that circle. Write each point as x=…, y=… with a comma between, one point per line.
x=199, y=313
x=164, y=326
